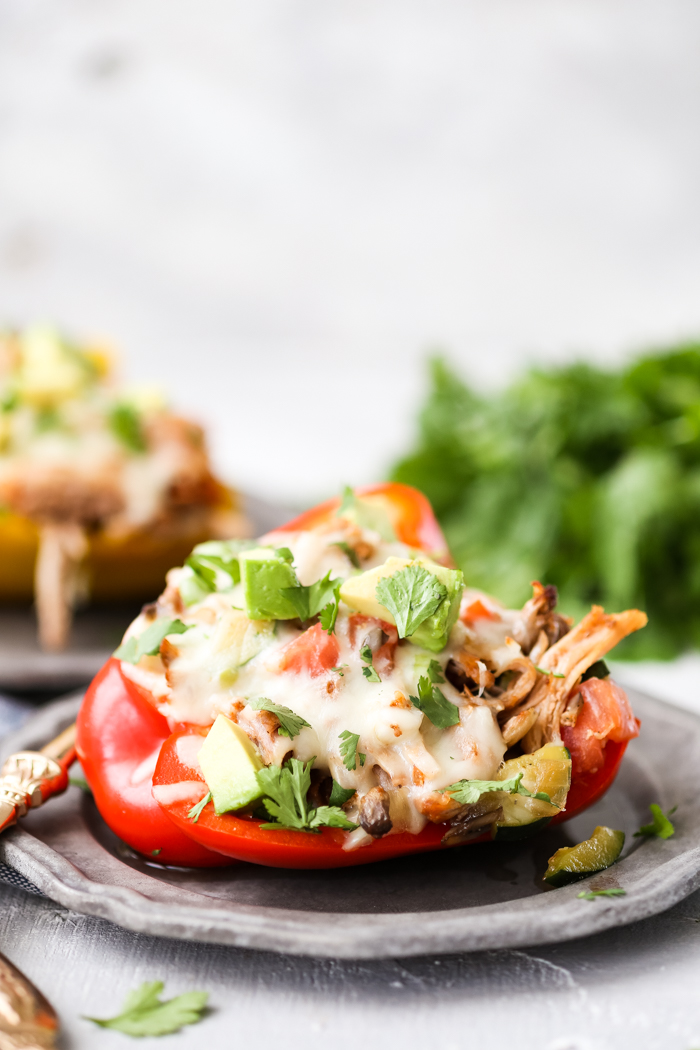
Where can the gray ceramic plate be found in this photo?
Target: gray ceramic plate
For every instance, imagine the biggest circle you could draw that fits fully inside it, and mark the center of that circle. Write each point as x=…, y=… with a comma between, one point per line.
x=474, y=897
x=97, y=631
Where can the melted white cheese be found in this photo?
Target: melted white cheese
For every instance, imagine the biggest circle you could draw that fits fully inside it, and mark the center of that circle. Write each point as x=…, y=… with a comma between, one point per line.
x=404, y=751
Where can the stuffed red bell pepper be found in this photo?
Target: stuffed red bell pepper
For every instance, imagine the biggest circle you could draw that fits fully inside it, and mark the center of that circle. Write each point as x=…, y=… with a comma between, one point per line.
x=333, y=694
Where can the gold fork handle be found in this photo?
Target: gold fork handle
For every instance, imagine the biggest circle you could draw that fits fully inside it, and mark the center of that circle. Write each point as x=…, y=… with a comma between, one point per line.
x=29, y=778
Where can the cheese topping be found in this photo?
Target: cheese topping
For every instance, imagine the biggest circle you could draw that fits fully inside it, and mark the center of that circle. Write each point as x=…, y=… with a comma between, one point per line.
x=225, y=661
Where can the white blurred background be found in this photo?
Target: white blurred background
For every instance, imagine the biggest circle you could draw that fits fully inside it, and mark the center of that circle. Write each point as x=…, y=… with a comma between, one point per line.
x=277, y=207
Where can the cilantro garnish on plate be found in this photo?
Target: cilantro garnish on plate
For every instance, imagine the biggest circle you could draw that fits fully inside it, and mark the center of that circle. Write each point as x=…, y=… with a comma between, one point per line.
x=591, y=895
x=144, y=1013
x=661, y=827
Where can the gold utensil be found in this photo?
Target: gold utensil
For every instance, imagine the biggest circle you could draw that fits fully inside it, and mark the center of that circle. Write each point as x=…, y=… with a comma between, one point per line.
x=29, y=778
x=27, y=1019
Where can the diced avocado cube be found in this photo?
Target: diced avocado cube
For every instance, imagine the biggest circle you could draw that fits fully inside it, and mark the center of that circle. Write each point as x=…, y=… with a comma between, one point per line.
x=264, y=575
x=229, y=763
x=358, y=592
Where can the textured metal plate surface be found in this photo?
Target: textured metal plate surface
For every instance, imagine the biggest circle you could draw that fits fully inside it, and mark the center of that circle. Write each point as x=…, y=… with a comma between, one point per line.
x=484, y=896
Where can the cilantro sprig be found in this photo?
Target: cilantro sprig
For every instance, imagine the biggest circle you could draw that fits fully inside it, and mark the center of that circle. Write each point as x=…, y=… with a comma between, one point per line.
x=661, y=827
x=285, y=789
x=291, y=724
x=348, y=749
x=470, y=791
x=144, y=1013
x=148, y=643
x=411, y=595
x=433, y=703
x=369, y=671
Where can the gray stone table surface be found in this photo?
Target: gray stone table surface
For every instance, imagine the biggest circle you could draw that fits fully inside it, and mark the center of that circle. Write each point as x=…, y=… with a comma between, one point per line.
x=635, y=987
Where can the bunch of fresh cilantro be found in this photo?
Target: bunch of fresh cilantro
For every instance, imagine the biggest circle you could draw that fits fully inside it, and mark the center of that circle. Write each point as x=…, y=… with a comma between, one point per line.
x=577, y=476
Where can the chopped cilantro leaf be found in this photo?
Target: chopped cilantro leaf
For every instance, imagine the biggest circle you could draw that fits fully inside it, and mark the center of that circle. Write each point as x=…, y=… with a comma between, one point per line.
x=144, y=1014
x=435, y=673
x=553, y=674
x=350, y=551
x=661, y=826
x=291, y=724
x=591, y=895
x=286, y=788
x=310, y=600
x=340, y=795
x=330, y=817
x=284, y=553
x=148, y=643
x=369, y=672
x=434, y=704
x=156, y=852
x=469, y=791
x=125, y=424
x=348, y=749
x=196, y=811
x=216, y=567
x=340, y=670
x=411, y=595
x=329, y=613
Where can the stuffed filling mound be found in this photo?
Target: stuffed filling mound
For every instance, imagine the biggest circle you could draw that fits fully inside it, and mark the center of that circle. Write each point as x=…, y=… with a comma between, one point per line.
x=334, y=676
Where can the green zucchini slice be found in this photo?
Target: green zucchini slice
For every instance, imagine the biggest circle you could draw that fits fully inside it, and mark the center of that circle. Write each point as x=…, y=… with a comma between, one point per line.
x=572, y=863
x=547, y=770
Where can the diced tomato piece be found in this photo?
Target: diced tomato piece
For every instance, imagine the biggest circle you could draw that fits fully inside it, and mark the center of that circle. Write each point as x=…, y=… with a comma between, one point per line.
x=477, y=611
x=605, y=715
x=314, y=653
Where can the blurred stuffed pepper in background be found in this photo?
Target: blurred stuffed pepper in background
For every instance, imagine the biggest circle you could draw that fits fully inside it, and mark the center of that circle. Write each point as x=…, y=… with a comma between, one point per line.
x=102, y=488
